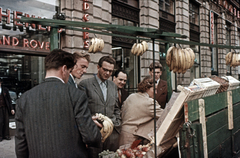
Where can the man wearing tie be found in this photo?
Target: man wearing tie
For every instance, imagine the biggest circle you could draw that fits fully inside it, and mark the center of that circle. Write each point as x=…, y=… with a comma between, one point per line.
x=161, y=95
x=103, y=98
x=5, y=108
x=80, y=68
x=120, y=79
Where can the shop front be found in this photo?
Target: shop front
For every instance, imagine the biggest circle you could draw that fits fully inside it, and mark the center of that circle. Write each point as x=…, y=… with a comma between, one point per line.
x=23, y=46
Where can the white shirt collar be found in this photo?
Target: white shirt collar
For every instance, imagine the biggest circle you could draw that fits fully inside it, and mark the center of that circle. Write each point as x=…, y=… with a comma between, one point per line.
x=55, y=77
x=158, y=81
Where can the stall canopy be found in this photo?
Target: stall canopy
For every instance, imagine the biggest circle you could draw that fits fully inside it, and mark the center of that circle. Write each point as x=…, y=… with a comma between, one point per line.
x=138, y=33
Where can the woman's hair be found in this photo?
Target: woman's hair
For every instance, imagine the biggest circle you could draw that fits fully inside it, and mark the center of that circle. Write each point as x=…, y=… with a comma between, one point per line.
x=145, y=84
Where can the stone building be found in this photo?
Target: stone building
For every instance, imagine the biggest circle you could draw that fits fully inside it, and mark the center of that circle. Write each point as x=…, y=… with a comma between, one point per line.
x=202, y=21
x=213, y=22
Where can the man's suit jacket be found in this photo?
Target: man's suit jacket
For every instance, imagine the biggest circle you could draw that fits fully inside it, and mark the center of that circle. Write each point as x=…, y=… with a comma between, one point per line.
x=53, y=120
x=96, y=102
x=161, y=95
x=124, y=95
x=108, y=108
x=71, y=81
x=7, y=99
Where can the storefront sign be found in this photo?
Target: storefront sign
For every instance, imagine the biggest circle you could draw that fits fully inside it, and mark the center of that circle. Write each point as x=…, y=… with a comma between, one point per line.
x=85, y=18
x=211, y=27
x=226, y=5
x=7, y=21
x=14, y=41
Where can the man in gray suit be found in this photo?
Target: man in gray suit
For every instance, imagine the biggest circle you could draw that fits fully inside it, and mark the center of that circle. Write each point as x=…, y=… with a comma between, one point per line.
x=52, y=119
x=102, y=95
x=80, y=68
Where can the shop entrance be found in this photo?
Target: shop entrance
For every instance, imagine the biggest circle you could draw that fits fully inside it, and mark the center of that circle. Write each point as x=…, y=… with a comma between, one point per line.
x=20, y=72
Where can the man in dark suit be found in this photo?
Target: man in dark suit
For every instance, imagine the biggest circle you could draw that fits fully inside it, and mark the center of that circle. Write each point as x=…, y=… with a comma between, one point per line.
x=52, y=119
x=80, y=68
x=120, y=79
x=102, y=95
x=5, y=108
x=161, y=96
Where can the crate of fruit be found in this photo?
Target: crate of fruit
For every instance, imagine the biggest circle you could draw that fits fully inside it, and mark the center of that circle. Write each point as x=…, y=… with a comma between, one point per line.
x=210, y=85
x=233, y=82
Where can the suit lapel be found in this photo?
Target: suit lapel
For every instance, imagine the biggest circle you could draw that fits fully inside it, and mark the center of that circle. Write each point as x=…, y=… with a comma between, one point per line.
x=108, y=90
x=98, y=90
x=71, y=81
x=159, y=89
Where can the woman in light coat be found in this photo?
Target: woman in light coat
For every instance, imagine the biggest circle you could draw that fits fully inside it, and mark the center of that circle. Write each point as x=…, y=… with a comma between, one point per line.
x=138, y=113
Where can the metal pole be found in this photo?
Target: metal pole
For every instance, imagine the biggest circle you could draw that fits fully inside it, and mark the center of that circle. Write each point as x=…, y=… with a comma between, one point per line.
x=169, y=77
x=53, y=38
x=154, y=89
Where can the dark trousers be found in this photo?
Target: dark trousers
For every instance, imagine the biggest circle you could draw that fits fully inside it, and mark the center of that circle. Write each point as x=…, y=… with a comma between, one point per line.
x=111, y=144
x=4, y=122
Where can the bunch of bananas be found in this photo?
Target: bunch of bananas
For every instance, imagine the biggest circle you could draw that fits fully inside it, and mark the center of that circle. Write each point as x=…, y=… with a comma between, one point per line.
x=232, y=59
x=107, y=128
x=96, y=45
x=179, y=60
x=139, y=48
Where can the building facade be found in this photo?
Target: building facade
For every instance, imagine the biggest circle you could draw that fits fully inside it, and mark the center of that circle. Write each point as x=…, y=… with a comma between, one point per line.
x=23, y=46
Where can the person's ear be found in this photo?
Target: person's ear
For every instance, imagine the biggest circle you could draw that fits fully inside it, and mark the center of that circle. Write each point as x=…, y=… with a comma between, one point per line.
x=63, y=68
x=150, y=73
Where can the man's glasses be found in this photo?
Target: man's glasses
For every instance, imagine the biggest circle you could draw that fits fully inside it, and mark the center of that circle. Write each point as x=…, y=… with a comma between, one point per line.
x=106, y=70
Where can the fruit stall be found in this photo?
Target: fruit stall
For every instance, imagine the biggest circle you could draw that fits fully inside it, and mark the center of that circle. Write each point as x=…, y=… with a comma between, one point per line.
x=201, y=120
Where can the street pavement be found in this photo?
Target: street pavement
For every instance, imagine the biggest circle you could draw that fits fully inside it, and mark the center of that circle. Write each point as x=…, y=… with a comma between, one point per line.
x=7, y=147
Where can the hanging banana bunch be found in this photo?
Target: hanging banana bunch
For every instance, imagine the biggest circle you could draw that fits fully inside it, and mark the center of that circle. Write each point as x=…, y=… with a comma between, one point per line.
x=139, y=48
x=96, y=45
x=232, y=59
x=179, y=60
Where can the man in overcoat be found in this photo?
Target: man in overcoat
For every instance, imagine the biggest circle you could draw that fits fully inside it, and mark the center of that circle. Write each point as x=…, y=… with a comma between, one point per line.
x=102, y=96
x=52, y=119
x=5, y=109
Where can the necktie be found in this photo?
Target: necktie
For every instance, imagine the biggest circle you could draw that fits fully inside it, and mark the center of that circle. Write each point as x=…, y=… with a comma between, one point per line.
x=104, y=90
x=119, y=96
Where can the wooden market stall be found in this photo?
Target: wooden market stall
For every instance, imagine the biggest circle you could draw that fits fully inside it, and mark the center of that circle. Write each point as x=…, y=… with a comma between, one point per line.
x=208, y=125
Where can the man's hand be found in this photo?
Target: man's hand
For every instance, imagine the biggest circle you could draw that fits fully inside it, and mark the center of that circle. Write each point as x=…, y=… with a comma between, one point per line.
x=94, y=118
x=13, y=112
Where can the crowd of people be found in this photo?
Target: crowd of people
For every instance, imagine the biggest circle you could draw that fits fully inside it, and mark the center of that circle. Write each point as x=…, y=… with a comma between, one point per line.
x=57, y=117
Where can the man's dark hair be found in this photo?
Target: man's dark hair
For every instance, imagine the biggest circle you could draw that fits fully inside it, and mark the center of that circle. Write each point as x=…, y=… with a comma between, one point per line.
x=118, y=71
x=106, y=59
x=157, y=66
x=58, y=58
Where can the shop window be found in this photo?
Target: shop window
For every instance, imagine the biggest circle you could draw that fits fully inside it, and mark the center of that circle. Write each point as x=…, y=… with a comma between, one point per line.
x=214, y=57
x=167, y=6
x=193, y=13
x=121, y=51
x=21, y=72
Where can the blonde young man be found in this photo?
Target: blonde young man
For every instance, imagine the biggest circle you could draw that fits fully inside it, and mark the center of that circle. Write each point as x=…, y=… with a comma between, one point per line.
x=80, y=68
